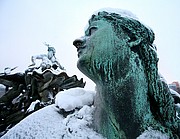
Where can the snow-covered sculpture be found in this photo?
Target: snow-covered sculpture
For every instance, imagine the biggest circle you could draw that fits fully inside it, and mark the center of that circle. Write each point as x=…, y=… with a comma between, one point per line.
x=47, y=60
x=118, y=54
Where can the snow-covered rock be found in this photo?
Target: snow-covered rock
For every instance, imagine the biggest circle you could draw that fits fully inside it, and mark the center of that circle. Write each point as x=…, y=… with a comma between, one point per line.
x=47, y=123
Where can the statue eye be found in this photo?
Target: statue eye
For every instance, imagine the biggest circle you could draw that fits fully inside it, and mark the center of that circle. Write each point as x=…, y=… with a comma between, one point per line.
x=92, y=30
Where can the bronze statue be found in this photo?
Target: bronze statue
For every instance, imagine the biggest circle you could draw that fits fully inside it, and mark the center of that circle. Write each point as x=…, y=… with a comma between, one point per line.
x=118, y=54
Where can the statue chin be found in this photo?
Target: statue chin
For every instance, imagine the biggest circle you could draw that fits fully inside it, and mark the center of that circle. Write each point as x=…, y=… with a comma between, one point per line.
x=84, y=65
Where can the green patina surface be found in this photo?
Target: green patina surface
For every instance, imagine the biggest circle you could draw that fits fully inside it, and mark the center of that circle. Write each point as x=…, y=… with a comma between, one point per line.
x=120, y=58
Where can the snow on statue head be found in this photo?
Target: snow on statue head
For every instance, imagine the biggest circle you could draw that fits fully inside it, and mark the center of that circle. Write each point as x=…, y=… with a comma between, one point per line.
x=118, y=54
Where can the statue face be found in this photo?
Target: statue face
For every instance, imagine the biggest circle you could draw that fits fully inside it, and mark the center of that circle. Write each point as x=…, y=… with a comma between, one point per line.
x=97, y=49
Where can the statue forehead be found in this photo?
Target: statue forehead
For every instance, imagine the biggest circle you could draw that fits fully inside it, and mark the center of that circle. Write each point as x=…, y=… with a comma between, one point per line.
x=97, y=24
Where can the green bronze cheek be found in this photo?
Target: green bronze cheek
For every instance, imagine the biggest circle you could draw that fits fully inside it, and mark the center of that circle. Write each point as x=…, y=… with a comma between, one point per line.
x=102, y=52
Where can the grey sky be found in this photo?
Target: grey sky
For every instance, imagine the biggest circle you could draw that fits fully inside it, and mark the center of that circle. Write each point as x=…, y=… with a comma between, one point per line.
x=26, y=24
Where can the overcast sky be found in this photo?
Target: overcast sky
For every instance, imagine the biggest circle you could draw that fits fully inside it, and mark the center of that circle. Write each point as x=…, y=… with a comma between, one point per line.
x=26, y=24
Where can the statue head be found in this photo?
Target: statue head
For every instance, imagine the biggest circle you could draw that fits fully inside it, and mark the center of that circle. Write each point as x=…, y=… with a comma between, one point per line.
x=118, y=50
x=51, y=52
x=51, y=49
x=110, y=39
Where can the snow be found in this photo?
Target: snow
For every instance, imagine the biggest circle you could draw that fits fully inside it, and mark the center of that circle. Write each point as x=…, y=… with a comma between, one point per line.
x=152, y=134
x=122, y=12
x=2, y=90
x=49, y=123
x=162, y=78
x=175, y=93
x=177, y=106
x=74, y=98
x=2, y=86
x=7, y=70
x=39, y=70
x=32, y=106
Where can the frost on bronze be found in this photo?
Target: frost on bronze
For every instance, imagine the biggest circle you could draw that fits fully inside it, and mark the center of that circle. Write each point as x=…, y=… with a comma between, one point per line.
x=118, y=55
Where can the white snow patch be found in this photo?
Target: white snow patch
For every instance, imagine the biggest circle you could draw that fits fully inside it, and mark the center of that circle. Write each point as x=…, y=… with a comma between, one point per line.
x=122, y=12
x=2, y=86
x=47, y=123
x=74, y=98
x=175, y=93
x=152, y=134
x=177, y=106
x=32, y=106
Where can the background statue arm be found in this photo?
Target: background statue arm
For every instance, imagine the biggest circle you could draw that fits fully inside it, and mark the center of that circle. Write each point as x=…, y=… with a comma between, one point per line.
x=33, y=58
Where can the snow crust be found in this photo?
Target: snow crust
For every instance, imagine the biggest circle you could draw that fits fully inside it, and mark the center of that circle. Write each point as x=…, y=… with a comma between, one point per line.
x=122, y=12
x=152, y=134
x=47, y=123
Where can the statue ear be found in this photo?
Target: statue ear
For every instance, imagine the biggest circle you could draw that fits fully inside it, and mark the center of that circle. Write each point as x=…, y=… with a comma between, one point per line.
x=133, y=43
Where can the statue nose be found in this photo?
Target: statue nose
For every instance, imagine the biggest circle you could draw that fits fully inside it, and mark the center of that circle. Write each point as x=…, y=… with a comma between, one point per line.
x=79, y=42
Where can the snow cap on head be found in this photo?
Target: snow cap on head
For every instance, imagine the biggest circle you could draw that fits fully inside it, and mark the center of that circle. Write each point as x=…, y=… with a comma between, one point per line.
x=123, y=13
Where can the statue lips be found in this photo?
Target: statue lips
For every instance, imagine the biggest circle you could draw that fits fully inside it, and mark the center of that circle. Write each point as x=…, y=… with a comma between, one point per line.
x=80, y=50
